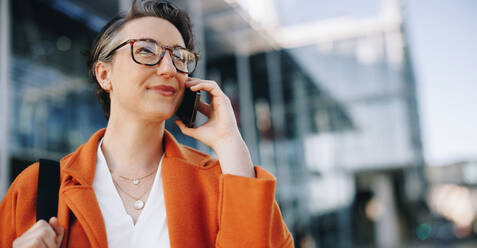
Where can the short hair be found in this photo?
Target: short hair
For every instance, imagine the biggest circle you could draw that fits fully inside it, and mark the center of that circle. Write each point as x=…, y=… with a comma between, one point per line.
x=106, y=39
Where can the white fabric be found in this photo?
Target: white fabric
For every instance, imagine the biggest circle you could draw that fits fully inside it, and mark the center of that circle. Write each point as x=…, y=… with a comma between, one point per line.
x=151, y=226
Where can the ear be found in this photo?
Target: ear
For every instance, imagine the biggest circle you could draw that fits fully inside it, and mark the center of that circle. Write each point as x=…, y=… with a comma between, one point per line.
x=103, y=75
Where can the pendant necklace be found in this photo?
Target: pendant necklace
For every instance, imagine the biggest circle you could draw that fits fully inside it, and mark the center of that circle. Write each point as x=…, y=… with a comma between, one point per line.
x=138, y=203
x=137, y=181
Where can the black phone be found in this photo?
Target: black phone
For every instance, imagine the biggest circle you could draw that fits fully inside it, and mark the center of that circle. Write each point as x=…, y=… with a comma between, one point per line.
x=188, y=109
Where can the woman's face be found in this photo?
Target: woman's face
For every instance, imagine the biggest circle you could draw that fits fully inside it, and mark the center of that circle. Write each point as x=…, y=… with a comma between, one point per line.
x=151, y=93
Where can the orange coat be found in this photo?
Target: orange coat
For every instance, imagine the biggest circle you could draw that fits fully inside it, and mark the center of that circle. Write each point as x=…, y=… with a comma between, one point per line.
x=204, y=208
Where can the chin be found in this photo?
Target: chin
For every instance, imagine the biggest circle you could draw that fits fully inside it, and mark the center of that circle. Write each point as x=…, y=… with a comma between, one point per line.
x=161, y=113
x=155, y=110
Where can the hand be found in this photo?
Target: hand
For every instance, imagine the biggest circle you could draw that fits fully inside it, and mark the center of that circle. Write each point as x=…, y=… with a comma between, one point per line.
x=220, y=132
x=42, y=234
x=221, y=126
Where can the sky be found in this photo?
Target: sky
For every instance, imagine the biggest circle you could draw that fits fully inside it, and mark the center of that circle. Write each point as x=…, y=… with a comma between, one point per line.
x=442, y=36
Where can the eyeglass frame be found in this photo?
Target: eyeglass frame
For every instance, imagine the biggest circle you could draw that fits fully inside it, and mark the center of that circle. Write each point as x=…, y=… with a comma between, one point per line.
x=164, y=49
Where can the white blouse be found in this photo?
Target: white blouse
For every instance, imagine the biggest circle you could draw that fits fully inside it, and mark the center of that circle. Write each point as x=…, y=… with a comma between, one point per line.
x=150, y=229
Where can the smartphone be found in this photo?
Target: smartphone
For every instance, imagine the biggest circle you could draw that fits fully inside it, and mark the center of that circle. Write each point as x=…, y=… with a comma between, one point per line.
x=188, y=109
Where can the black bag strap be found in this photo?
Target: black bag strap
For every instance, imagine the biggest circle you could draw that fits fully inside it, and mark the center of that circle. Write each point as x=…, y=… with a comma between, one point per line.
x=48, y=189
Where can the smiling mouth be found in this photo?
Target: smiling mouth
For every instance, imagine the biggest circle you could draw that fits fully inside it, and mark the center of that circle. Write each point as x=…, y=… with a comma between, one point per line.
x=164, y=90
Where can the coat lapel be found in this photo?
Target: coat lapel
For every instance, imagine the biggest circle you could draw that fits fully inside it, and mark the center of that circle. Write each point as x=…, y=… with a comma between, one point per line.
x=190, y=196
x=82, y=202
x=77, y=174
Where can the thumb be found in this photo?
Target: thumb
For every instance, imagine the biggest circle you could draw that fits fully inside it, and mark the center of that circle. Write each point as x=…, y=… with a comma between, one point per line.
x=59, y=230
x=184, y=129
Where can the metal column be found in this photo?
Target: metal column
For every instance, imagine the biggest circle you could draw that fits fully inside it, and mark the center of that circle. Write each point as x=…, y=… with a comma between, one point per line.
x=277, y=105
x=415, y=172
x=247, y=116
x=300, y=174
x=4, y=95
x=387, y=225
x=197, y=18
x=285, y=193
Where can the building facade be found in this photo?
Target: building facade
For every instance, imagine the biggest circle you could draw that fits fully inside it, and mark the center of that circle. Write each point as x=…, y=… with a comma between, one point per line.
x=328, y=104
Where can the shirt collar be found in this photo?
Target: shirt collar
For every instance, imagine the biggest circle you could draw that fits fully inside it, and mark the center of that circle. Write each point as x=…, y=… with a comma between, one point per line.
x=81, y=164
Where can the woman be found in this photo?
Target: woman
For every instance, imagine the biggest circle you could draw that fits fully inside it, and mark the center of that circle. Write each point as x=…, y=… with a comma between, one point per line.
x=132, y=184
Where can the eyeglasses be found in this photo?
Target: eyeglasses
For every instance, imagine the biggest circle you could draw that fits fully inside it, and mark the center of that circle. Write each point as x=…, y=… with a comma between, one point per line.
x=149, y=52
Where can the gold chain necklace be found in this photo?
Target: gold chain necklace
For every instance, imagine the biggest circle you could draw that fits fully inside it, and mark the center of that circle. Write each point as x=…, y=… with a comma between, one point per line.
x=138, y=203
x=137, y=181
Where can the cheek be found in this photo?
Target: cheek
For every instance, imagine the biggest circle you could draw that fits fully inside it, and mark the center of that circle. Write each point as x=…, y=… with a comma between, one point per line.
x=179, y=99
x=181, y=78
x=129, y=79
x=181, y=81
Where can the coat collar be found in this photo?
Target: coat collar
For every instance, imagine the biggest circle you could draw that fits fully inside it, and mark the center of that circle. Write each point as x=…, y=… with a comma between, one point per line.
x=77, y=175
x=81, y=164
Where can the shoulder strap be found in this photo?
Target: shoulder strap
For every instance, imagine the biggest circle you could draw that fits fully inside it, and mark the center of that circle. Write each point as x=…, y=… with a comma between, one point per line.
x=48, y=189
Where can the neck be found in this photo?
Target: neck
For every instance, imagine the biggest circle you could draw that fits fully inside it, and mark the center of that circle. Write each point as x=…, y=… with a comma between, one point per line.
x=133, y=148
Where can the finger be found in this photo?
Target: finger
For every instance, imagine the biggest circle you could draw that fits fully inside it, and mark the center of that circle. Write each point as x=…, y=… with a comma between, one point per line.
x=37, y=236
x=55, y=225
x=47, y=236
x=46, y=230
x=33, y=231
x=184, y=129
x=59, y=230
x=37, y=226
x=192, y=81
x=205, y=109
x=43, y=243
x=211, y=87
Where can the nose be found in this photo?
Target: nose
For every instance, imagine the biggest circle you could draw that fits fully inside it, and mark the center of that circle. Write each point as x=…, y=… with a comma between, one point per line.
x=166, y=66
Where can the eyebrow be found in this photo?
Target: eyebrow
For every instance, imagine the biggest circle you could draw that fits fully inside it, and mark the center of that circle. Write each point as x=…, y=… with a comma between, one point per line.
x=174, y=45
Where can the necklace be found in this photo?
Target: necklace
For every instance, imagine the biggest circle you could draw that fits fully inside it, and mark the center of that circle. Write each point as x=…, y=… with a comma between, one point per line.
x=137, y=181
x=138, y=204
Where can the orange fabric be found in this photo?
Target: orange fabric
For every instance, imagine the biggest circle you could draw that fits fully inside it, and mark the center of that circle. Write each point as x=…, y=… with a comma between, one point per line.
x=204, y=208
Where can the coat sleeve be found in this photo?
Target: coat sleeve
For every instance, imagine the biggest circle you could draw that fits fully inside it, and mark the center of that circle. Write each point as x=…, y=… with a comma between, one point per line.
x=249, y=216
x=17, y=209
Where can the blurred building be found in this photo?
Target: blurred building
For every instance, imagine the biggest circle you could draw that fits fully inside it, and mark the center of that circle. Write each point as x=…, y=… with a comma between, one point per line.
x=324, y=93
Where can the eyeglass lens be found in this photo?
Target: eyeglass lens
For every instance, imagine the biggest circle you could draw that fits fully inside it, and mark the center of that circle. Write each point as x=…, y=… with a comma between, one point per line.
x=149, y=53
